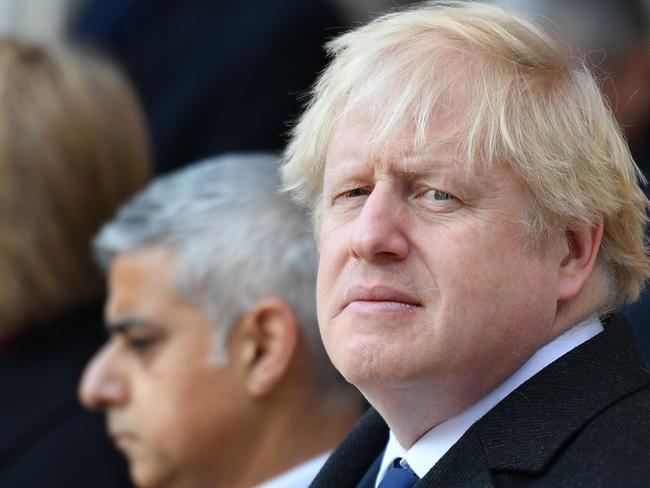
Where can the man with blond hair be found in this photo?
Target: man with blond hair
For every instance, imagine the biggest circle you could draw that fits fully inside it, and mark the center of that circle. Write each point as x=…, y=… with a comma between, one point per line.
x=479, y=220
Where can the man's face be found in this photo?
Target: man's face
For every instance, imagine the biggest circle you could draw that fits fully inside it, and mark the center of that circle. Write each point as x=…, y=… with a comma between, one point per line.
x=170, y=411
x=425, y=278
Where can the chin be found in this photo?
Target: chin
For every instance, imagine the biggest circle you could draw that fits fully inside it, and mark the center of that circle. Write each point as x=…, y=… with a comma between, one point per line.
x=145, y=477
x=372, y=369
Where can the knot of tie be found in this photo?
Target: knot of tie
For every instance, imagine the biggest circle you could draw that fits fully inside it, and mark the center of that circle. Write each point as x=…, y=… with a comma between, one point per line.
x=398, y=476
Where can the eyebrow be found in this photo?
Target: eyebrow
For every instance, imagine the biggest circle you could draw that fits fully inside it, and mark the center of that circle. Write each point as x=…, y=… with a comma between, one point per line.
x=127, y=324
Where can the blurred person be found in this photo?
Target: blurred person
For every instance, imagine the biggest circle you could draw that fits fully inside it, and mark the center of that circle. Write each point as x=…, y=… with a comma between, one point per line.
x=614, y=37
x=245, y=66
x=479, y=219
x=72, y=148
x=215, y=374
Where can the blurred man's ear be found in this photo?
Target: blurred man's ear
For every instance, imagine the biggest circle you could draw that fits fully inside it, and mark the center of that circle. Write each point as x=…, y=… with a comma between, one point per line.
x=582, y=246
x=267, y=343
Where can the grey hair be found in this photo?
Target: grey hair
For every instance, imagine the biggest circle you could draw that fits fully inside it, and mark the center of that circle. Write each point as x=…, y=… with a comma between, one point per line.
x=235, y=239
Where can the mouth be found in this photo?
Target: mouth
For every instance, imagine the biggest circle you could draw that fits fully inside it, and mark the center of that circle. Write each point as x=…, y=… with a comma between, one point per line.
x=123, y=440
x=380, y=299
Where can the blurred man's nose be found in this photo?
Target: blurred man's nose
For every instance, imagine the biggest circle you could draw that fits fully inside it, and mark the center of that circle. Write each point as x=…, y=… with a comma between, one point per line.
x=379, y=232
x=101, y=384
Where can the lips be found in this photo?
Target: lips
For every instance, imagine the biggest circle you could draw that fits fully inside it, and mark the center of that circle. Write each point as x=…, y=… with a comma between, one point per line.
x=379, y=294
x=121, y=434
x=122, y=441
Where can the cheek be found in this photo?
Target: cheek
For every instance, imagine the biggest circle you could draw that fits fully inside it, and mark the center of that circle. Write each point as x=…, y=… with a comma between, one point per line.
x=180, y=415
x=331, y=263
x=324, y=304
x=488, y=274
x=503, y=285
x=159, y=406
x=165, y=389
x=330, y=287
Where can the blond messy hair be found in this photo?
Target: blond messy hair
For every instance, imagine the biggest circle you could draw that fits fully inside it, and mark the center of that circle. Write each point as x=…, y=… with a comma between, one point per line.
x=525, y=103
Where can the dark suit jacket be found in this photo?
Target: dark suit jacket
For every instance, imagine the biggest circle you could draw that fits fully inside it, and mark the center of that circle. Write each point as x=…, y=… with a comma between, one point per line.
x=583, y=421
x=46, y=438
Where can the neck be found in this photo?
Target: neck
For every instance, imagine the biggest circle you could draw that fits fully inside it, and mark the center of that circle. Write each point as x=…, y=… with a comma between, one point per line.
x=427, y=404
x=291, y=431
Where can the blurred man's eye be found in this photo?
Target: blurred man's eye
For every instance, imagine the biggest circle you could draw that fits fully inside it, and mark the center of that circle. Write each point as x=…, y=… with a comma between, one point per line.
x=136, y=337
x=140, y=344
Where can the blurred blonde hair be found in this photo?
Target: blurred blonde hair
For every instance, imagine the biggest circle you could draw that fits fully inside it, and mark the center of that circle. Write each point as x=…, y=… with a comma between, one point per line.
x=72, y=147
x=513, y=98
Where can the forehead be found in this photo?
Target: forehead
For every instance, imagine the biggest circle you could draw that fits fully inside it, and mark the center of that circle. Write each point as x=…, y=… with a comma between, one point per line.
x=141, y=283
x=431, y=99
x=354, y=145
x=142, y=291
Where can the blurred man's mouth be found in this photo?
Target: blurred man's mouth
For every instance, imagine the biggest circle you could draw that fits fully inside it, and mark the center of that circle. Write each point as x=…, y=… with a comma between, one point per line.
x=123, y=441
x=122, y=436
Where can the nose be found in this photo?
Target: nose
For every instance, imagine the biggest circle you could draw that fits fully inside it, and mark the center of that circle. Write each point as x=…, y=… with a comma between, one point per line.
x=102, y=386
x=379, y=233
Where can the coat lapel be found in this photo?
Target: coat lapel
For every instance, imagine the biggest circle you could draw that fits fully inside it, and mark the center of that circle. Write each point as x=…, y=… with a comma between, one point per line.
x=354, y=457
x=368, y=480
x=464, y=465
x=527, y=430
x=530, y=426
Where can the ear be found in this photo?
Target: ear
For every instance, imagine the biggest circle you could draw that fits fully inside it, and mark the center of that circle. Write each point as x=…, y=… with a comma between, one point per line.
x=269, y=337
x=580, y=254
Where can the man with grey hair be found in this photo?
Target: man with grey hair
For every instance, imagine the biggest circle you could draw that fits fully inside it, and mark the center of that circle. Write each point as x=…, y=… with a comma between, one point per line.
x=214, y=374
x=479, y=220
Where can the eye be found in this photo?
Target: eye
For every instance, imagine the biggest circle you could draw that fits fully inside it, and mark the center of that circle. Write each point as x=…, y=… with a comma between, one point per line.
x=356, y=192
x=437, y=195
x=140, y=345
x=350, y=196
x=437, y=200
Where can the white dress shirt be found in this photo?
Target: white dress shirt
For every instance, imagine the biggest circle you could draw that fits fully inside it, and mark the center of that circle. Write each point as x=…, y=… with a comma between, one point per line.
x=429, y=448
x=299, y=476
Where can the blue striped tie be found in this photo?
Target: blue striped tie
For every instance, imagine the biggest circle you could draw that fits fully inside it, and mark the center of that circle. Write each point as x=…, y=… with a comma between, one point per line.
x=399, y=477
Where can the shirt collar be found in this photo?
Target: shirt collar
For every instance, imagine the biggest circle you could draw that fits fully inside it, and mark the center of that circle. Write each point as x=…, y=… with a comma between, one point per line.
x=298, y=476
x=429, y=448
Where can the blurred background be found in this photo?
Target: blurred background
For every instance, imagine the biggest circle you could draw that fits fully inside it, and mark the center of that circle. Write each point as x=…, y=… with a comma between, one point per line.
x=213, y=76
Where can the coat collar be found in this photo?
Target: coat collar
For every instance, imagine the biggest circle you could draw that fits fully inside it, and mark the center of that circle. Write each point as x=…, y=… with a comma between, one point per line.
x=526, y=430
x=356, y=454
